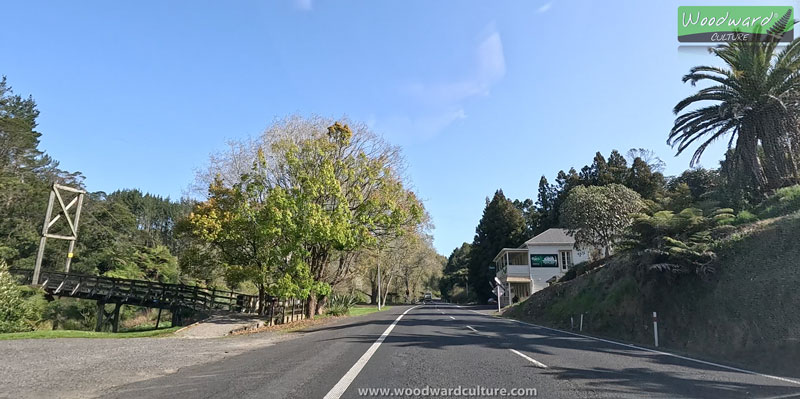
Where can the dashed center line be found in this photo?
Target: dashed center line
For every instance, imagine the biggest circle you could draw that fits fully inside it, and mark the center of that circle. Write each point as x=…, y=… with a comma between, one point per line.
x=530, y=359
x=452, y=317
x=470, y=327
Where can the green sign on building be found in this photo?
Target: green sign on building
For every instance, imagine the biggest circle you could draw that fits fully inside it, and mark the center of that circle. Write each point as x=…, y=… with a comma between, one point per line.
x=544, y=260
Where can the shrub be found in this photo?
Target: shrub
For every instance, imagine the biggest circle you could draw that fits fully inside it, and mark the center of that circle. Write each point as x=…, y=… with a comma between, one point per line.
x=459, y=295
x=676, y=243
x=340, y=304
x=582, y=268
x=786, y=200
x=744, y=217
x=16, y=314
x=71, y=314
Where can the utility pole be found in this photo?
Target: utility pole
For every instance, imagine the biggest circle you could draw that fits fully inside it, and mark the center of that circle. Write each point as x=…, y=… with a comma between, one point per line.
x=379, y=286
x=56, y=192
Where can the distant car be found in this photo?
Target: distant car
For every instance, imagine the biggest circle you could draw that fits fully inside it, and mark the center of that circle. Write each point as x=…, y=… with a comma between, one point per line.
x=491, y=301
x=427, y=298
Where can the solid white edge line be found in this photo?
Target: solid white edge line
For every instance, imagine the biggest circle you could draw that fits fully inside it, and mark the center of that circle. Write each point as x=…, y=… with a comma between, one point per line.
x=338, y=390
x=774, y=377
x=530, y=359
x=470, y=327
x=790, y=395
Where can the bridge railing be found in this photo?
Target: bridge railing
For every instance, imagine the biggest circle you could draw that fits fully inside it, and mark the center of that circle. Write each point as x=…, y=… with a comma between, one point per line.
x=141, y=292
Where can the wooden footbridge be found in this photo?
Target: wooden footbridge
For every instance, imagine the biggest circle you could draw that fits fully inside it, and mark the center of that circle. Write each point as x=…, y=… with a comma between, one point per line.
x=180, y=299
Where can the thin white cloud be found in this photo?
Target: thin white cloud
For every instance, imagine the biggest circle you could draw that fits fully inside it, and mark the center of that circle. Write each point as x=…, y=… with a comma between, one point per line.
x=439, y=104
x=490, y=67
x=492, y=61
x=305, y=5
x=545, y=8
x=433, y=106
x=421, y=127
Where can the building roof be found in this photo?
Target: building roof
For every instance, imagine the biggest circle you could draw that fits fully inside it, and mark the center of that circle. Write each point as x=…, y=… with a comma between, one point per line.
x=552, y=236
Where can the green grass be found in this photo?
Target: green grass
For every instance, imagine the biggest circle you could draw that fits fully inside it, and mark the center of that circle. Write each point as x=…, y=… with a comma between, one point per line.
x=360, y=310
x=42, y=334
x=785, y=201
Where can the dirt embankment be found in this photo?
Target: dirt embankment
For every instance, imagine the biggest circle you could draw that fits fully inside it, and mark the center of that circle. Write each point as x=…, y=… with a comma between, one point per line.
x=747, y=313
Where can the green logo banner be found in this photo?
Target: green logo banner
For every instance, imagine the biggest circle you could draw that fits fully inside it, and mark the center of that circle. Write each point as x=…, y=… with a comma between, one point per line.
x=709, y=24
x=544, y=261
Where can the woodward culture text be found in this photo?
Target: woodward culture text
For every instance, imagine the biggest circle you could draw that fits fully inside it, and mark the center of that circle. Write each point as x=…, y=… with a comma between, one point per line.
x=437, y=392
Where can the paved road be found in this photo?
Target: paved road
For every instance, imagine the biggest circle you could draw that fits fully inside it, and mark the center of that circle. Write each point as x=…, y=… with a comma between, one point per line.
x=441, y=346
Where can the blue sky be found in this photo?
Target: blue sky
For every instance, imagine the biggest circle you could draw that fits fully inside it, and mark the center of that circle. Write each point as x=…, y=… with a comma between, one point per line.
x=480, y=95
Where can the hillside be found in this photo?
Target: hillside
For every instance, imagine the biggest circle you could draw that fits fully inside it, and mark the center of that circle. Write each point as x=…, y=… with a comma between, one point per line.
x=745, y=314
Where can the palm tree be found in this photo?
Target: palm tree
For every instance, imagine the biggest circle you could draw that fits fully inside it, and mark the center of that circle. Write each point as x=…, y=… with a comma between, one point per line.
x=757, y=103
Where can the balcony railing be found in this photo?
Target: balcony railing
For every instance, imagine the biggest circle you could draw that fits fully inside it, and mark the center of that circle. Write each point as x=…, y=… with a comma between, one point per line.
x=515, y=271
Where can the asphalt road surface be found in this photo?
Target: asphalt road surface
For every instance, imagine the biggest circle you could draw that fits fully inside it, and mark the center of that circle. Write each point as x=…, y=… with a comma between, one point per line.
x=414, y=350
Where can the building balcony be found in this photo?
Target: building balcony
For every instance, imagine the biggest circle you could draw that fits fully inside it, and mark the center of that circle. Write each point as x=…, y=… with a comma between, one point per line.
x=512, y=265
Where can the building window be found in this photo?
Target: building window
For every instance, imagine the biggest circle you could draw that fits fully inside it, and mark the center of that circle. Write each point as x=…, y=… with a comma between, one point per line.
x=566, y=259
x=517, y=258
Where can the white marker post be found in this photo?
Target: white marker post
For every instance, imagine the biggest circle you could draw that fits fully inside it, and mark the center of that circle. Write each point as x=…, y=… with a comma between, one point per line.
x=655, y=328
x=499, y=290
x=581, y=322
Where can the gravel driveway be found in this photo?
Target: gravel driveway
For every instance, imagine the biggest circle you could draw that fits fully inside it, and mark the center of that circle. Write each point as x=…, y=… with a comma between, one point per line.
x=81, y=367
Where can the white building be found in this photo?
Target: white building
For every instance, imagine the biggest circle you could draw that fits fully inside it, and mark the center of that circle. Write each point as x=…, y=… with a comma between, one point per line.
x=528, y=269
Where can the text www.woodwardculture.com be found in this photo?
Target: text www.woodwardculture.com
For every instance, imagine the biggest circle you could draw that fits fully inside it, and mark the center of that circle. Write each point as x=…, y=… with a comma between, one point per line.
x=428, y=391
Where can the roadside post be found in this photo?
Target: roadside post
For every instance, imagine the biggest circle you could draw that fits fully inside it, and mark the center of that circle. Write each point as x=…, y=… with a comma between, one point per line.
x=581, y=329
x=379, y=287
x=655, y=328
x=498, y=289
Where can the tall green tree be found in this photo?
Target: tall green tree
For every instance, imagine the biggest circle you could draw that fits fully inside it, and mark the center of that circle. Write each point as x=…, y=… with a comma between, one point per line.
x=344, y=184
x=643, y=180
x=351, y=199
x=256, y=234
x=617, y=168
x=546, y=205
x=598, y=215
x=754, y=105
x=26, y=173
x=456, y=270
x=501, y=225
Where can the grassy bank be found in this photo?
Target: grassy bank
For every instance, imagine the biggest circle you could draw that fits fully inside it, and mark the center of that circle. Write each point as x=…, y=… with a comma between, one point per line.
x=43, y=334
x=360, y=310
x=743, y=314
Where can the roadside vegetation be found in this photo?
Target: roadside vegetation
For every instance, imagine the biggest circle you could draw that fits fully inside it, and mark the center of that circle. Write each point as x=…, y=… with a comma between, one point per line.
x=48, y=334
x=673, y=225
x=712, y=251
x=309, y=210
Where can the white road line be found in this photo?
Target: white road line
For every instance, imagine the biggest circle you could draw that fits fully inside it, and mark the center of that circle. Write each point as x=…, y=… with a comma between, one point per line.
x=530, y=359
x=452, y=317
x=470, y=327
x=722, y=366
x=338, y=390
x=791, y=395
